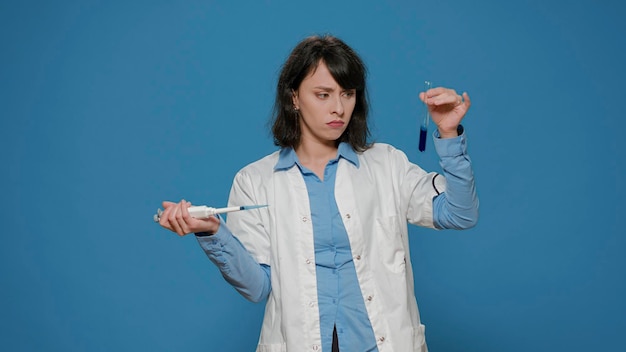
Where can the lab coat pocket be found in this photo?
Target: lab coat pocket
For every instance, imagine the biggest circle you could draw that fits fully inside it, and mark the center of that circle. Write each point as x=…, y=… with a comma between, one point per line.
x=275, y=347
x=389, y=244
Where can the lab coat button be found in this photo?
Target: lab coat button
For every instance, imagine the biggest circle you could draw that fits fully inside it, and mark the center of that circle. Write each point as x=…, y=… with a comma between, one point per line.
x=370, y=298
x=357, y=257
x=381, y=339
x=305, y=219
x=316, y=347
x=308, y=261
x=311, y=304
x=348, y=216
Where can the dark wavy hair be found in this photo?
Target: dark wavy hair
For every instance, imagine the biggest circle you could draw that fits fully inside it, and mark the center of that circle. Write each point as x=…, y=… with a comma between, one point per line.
x=347, y=69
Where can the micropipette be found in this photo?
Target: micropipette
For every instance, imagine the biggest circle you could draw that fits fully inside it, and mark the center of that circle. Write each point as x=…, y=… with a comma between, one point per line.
x=424, y=126
x=203, y=212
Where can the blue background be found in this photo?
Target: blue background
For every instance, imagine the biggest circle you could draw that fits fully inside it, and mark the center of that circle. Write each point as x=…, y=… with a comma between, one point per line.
x=109, y=107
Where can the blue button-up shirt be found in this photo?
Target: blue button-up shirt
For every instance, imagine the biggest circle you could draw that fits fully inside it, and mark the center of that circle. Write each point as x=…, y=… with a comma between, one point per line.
x=340, y=300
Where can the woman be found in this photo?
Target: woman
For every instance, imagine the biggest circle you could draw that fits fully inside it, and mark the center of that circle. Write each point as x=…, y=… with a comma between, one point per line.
x=331, y=254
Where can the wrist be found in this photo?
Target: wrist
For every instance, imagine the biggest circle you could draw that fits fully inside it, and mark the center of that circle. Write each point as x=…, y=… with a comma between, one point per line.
x=208, y=232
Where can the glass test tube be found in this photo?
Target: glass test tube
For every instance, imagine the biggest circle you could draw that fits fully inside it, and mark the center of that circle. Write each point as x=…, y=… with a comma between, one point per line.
x=424, y=126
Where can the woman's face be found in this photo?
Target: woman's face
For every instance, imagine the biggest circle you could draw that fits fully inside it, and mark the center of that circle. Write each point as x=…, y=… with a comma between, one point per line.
x=325, y=107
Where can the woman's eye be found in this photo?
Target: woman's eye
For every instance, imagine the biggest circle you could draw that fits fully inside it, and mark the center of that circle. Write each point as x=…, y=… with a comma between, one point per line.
x=322, y=95
x=349, y=93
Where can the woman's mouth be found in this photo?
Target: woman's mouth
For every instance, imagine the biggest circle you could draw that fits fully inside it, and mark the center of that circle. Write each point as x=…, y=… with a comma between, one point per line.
x=336, y=124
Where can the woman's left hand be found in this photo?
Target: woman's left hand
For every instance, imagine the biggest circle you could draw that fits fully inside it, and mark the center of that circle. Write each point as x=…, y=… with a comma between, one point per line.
x=447, y=109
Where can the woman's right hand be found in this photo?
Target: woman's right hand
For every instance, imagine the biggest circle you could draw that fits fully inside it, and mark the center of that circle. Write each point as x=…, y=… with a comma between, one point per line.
x=176, y=218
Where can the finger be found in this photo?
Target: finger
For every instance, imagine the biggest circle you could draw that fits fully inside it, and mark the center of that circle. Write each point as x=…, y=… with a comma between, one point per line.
x=459, y=101
x=429, y=97
x=164, y=218
x=166, y=204
x=161, y=216
x=184, y=208
x=165, y=223
x=173, y=220
x=180, y=218
x=442, y=96
x=186, y=218
x=187, y=221
x=466, y=100
x=433, y=92
x=448, y=98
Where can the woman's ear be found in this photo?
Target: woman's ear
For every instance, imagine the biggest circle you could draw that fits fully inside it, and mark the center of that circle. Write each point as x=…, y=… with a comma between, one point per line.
x=294, y=100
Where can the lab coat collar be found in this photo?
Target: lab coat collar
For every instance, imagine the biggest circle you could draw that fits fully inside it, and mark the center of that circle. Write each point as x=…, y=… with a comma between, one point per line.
x=288, y=157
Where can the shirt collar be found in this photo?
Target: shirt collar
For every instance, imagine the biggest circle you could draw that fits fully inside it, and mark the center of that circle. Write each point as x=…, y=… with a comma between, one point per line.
x=288, y=157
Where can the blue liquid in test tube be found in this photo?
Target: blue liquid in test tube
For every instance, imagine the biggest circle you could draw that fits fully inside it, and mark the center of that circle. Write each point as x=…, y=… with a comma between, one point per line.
x=423, y=135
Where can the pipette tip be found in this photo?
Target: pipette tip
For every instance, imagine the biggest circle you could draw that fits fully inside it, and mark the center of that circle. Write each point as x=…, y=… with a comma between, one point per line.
x=248, y=207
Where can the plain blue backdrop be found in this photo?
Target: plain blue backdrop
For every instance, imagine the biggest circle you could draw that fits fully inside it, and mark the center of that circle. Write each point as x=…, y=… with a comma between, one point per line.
x=109, y=107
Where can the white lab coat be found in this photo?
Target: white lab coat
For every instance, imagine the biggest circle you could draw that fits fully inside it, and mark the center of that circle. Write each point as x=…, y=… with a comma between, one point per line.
x=376, y=200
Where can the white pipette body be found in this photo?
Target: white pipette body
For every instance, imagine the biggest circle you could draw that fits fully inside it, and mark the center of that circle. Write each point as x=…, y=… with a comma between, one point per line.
x=203, y=212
